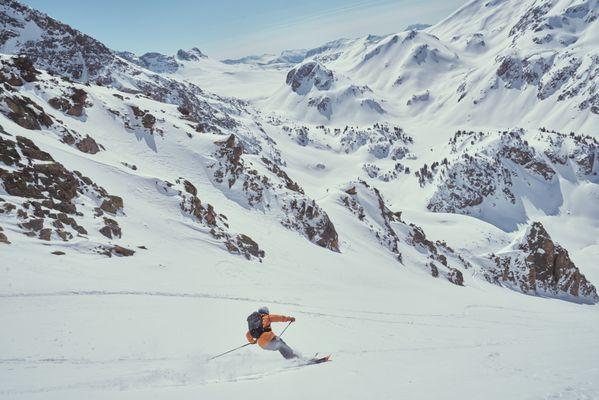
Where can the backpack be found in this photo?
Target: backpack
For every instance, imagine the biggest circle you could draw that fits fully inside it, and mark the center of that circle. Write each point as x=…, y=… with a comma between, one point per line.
x=255, y=325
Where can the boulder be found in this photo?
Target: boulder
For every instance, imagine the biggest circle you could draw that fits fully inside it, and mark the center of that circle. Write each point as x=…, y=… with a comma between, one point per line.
x=88, y=145
x=122, y=251
x=112, y=204
x=3, y=238
x=46, y=234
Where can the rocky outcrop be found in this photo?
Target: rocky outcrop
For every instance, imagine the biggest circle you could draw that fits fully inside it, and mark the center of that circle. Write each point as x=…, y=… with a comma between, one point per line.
x=194, y=54
x=534, y=264
x=399, y=238
x=111, y=229
x=72, y=104
x=152, y=61
x=159, y=63
x=59, y=48
x=19, y=72
x=381, y=140
x=48, y=200
x=419, y=98
x=24, y=112
x=122, y=251
x=209, y=115
x=580, y=151
x=309, y=75
x=213, y=223
x=324, y=105
x=112, y=204
x=3, y=238
x=109, y=251
x=141, y=119
x=551, y=69
x=492, y=170
x=386, y=175
x=62, y=50
x=265, y=186
x=24, y=108
x=88, y=145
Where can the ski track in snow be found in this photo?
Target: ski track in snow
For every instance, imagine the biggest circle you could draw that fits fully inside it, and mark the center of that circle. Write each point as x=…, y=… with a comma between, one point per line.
x=270, y=301
x=85, y=326
x=167, y=373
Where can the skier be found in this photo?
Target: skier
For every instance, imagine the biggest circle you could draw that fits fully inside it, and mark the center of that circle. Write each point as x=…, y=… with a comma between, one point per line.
x=260, y=332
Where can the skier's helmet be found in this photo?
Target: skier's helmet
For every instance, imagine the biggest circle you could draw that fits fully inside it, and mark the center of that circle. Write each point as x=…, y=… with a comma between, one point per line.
x=263, y=310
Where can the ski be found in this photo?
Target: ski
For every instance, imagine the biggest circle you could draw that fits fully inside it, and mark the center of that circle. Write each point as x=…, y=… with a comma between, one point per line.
x=319, y=360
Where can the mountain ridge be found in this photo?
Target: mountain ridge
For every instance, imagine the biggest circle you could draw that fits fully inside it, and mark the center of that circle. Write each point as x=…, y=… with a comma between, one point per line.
x=432, y=191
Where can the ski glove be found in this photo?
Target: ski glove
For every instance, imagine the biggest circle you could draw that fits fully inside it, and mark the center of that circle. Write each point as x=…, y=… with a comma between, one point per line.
x=292, y=319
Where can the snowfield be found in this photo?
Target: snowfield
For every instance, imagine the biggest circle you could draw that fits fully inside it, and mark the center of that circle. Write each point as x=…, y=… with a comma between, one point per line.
x=107, y=334
x=424, y=203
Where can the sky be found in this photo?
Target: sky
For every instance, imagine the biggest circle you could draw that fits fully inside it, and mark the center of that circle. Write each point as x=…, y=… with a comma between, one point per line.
x=236, y=28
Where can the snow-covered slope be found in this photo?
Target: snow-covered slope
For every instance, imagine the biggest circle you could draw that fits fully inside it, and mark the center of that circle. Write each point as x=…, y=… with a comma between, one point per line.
x=488, y=63
x=424, y=203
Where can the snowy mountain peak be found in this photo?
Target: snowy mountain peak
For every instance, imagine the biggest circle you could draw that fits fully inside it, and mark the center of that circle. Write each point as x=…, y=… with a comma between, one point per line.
x=152, y=61
x=309, y=75
x=437, y=187
x=51, y=44
x=193, y=54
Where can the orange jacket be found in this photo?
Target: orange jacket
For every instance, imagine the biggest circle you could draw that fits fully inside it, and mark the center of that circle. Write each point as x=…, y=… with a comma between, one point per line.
x=267, y=336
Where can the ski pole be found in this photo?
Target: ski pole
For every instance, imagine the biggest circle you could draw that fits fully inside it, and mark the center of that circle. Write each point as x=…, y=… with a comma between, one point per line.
x=230, y=351
x=281, y=334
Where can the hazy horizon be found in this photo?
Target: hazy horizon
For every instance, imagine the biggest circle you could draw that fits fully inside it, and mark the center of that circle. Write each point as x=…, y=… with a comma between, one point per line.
x=232, y=28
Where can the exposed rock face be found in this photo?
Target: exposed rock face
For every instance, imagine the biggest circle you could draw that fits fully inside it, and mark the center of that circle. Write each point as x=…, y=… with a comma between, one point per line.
x=205, y=215
x=270, y=189
x=550, y=74
x=373, y=105
x=582, y=152
x=489, y=171
x=381, y=140
x=88, y=145
x=111, y=229
x=72, y=104
x=112, y=204
x=536, y=265
x=552, y=69
x=193, y=54
x=59, y=48
x=309, y=75
x=26, y=110
x=3, y=238
x=159, y=62
x=419, y=98
x=141, y=119
x=49, y=199
x=324, y=105
x=154, y=62
x=65, y=51
x=210, y=116
x=23, y=71
x=360, y=195
x=122, y=251
x=400, y=238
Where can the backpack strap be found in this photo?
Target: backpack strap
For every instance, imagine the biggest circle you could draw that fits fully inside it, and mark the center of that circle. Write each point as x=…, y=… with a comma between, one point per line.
x=267, y=328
